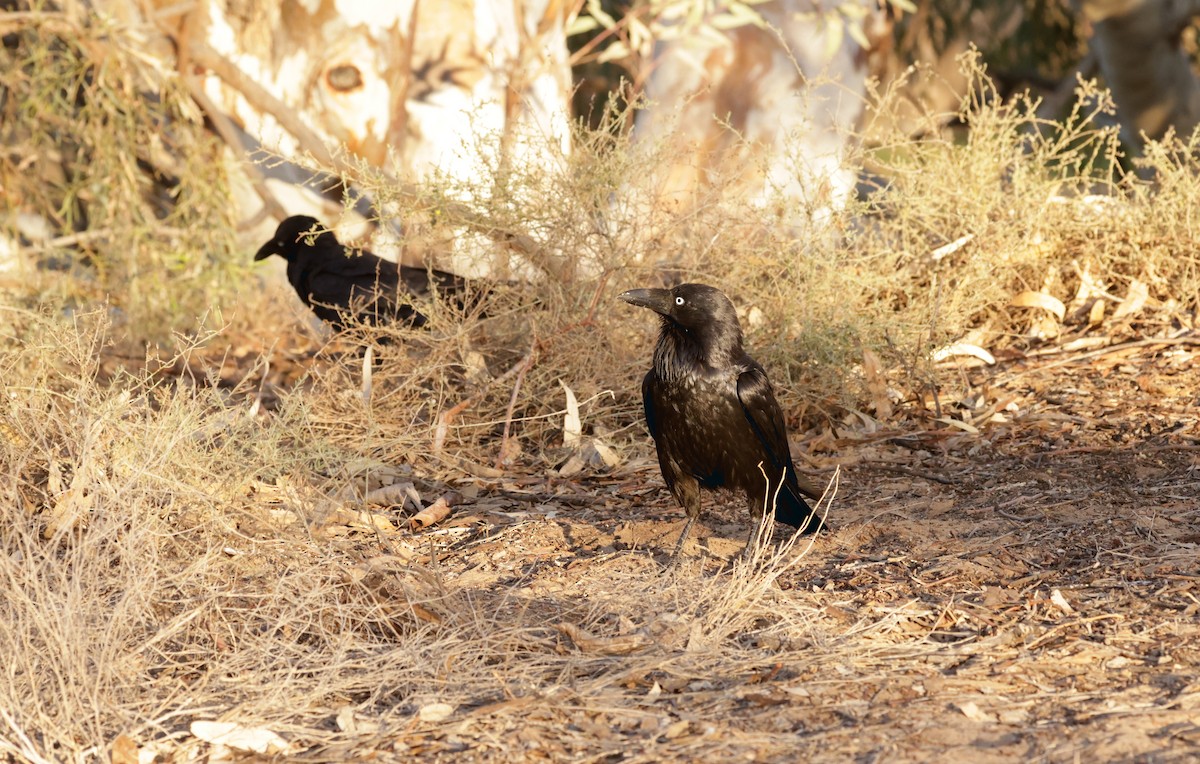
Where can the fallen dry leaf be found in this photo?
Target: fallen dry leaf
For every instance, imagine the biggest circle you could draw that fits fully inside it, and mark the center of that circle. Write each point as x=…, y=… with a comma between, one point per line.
x=619, y=645
x=961, y=349
x=1060, y=602
x=972, y=712
x=1040, y=300
x=1135, y=299
x=249, y=739
x=433, y=514
x=572, y=424
x=435, y=712
x=124, y=750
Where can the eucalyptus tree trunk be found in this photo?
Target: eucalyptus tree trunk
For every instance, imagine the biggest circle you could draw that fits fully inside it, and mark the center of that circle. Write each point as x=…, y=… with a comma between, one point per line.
x=768, y=110
x=1138, y=45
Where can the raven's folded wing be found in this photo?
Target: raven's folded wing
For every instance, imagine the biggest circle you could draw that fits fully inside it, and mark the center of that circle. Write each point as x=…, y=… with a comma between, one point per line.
x=766, y=420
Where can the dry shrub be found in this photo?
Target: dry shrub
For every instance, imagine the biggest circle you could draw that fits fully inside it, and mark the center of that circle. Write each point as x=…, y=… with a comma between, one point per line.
x=1041, y=203
x=1047, y=204
x=105, y=146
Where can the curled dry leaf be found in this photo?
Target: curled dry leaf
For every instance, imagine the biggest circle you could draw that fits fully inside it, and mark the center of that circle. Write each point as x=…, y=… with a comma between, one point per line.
x=368, y=362
x=394, y=494
x=604, y=453
x=351, y=518
x=572, y=423
x=1041, y=300
x=572, y=466
x=963, y=348
x=435, y=712
x=1135, y=299
x=1060, y=602
x=249, y=739
x=592, y=452
x=1090, y=288
x=619, y=645
x=972, y=712
x=433, y=514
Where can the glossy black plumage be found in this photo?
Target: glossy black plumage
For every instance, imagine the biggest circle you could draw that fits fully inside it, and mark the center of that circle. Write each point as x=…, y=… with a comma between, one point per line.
x=339, y=282
x=711, y=410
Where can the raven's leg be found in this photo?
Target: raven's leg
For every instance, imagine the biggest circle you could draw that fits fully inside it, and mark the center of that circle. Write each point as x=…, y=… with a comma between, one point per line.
x=687, y=528
x=687, y=492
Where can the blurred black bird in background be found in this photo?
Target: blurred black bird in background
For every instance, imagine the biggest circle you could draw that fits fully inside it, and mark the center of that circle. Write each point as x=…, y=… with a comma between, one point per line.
x=343, y=285
x=712, y=412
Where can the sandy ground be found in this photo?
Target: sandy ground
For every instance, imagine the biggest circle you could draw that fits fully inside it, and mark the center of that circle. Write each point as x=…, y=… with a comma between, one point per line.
x=1022, y=588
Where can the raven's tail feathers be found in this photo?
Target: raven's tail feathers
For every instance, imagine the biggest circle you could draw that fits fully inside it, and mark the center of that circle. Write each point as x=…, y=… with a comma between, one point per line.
x=792, y=509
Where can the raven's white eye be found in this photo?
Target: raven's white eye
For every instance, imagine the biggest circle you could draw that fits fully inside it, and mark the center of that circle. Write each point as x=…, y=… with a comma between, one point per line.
x=679, y=301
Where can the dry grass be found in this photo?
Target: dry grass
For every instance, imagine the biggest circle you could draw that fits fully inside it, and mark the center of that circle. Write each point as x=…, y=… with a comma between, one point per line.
x=151, y=579
x=183, y=537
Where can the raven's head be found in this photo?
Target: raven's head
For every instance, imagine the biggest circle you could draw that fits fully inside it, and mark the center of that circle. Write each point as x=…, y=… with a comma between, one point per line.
x=689, y=306
x=698, y=313
x=293, y=233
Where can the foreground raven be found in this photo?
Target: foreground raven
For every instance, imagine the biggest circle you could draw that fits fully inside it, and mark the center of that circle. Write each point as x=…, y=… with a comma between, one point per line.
x=339, y=283
x=711, y=410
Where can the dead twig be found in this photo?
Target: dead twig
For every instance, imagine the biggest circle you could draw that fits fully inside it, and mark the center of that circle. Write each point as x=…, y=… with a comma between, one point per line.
x=447, y=417
x=902, y=470
x=229, y=134
x=1111, y=349
x=501, y=458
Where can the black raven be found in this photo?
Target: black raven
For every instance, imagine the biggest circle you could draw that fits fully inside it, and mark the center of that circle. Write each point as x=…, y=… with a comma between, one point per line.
x=339, y=282
x=711, y=410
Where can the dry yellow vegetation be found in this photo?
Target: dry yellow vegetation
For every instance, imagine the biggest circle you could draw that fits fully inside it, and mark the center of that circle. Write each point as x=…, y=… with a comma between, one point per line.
x=206, y=539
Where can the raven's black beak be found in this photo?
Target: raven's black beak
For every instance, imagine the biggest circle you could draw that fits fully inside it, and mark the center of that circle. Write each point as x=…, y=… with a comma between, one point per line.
x=658, y=300
x=266, y=251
